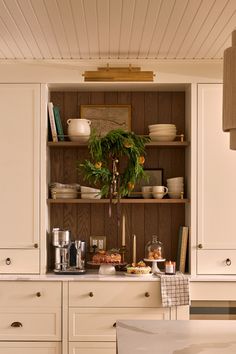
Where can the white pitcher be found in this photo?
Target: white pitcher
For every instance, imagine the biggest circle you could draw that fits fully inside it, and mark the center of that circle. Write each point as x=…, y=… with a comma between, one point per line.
x=79, y=129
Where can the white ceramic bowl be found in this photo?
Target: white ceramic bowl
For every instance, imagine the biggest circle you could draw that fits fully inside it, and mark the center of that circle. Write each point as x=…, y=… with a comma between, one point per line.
x=162, y=125
x=174, y=195
x=175, y=179
x=162, y=138
x=162, y=133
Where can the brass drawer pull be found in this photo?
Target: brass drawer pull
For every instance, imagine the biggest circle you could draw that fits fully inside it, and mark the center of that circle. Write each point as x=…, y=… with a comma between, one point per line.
x=91, y=294
x=200, y=246
x=36, y=245
x=147, y=294
x=16, y=324
x=114, y=325
x=38, y=294
x=228, y=262
x=8, y=261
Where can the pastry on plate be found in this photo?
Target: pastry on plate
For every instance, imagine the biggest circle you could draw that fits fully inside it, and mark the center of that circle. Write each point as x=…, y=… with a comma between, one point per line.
x=138, y=268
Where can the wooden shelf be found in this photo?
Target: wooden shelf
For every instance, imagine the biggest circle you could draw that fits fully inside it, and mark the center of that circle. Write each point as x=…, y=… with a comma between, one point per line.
x=174, y=144
x=123, y=201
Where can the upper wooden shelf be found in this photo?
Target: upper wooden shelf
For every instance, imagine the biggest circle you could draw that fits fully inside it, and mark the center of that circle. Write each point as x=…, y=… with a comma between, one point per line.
x=123, y=201
x=174, y=144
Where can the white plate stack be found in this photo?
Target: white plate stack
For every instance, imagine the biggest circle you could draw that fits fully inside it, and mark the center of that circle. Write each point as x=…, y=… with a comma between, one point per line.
x=66, y=191
x=162, y=132
x=90, y=193
x=175, y=187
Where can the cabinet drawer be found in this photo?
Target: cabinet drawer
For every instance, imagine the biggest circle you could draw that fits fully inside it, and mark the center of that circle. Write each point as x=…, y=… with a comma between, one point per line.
x=19, y=261
x=99, y=324
x=92, y=348
x=30, y=324
x=115, y=294
x=30, y=348
x=215, y=262
x=30, y=294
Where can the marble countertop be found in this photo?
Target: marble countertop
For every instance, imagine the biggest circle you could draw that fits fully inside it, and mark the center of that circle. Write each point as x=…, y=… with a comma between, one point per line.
x=165, y=337
x=89, y=276
x=92, y=275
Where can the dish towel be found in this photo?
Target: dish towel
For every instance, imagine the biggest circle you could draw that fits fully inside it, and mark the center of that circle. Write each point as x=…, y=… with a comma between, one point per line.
x=174, y=289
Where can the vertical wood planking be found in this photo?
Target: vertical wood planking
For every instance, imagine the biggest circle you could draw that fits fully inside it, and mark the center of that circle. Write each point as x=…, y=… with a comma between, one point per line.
x=138, y=229
x=143, y=220
x=137, y=112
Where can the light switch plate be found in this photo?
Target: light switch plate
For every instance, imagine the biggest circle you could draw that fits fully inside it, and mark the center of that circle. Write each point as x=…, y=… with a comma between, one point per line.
x=99, y=241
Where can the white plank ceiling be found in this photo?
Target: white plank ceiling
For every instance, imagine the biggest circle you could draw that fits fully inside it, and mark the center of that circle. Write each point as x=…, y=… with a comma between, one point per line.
x=116, y=29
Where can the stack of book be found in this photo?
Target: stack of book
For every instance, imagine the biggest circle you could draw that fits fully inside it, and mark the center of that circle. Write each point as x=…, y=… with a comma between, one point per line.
x=55, y=125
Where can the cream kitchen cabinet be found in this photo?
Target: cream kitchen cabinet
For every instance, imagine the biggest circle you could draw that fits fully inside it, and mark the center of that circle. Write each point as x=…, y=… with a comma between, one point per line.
x=216, y=243
x=94, y=308
x=19, y=178
x=30, y=312
x=30, y=348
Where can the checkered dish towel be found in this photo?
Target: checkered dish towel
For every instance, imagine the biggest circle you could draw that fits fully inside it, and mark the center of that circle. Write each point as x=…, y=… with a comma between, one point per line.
x=174, y=290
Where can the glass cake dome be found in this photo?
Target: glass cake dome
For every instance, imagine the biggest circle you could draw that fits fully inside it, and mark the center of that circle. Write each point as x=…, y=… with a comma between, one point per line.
x=154, y=250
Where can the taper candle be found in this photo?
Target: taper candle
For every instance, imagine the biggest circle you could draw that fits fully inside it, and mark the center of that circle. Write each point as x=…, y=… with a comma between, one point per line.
x=123, y=231
x=134, y=248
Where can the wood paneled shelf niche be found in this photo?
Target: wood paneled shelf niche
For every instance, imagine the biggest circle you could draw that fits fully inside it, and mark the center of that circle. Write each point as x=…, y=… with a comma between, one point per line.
x=123, y=201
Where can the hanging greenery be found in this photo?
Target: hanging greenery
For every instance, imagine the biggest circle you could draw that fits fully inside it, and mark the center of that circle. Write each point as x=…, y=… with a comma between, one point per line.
x=106, y=153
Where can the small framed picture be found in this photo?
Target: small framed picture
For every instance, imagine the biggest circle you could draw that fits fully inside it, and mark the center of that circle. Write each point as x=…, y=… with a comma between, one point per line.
x=107, y=117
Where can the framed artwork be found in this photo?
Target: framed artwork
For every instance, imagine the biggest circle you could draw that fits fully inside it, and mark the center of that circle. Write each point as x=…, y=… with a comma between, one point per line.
x=107, y=117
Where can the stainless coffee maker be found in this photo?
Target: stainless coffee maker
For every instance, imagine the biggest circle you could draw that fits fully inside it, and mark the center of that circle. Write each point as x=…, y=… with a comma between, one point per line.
x=61, y=242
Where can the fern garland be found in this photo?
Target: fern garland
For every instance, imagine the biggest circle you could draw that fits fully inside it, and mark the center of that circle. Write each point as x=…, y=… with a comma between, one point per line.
x=114, y=145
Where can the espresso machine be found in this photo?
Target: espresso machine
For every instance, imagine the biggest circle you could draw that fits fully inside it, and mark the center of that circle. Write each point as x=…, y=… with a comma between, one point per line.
x=70, y=256
x=61, y=242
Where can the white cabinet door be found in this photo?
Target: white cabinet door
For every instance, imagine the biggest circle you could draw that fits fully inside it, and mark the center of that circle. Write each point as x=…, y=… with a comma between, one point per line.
x=216, y=181
x=30, y=348
x=19, y=161
x=92, y=348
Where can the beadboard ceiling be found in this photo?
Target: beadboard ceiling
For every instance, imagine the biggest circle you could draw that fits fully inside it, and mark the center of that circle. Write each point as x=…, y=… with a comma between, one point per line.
x=116, y=29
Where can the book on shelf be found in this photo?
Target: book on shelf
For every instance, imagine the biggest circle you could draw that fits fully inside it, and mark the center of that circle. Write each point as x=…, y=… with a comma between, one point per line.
x=52, y=122
x=57, y=117
x=182, y=249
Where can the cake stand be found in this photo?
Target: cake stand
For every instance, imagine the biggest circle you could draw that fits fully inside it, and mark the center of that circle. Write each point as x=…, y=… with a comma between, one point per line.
x=155, y=268
x=107, y=268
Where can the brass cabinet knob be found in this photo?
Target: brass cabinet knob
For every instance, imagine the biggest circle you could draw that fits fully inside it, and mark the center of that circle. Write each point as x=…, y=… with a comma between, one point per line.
x=16, y=324
x=38, y=294
x=147, y=294
x=200, y=245
x=36, y=245
x=8, y=261
x=114, y=325
x=228, y=262
x=91, y=294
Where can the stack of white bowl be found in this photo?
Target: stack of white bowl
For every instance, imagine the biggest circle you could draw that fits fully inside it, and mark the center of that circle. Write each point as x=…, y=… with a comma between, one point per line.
x=66, y=191
x=175, y=187
x=162, y=132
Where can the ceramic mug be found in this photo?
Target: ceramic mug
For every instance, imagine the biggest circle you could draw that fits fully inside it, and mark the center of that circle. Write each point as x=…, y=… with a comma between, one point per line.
x=147, y=192
x=158, y=192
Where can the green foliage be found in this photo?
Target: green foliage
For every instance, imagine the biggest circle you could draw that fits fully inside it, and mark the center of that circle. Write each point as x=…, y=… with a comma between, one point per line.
x=103, y=150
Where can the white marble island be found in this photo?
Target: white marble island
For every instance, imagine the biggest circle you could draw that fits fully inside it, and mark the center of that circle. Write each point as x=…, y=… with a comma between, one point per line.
x=171, y=337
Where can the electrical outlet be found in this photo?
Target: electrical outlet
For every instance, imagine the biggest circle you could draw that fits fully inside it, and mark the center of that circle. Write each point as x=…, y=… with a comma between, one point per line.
x=99, y=242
